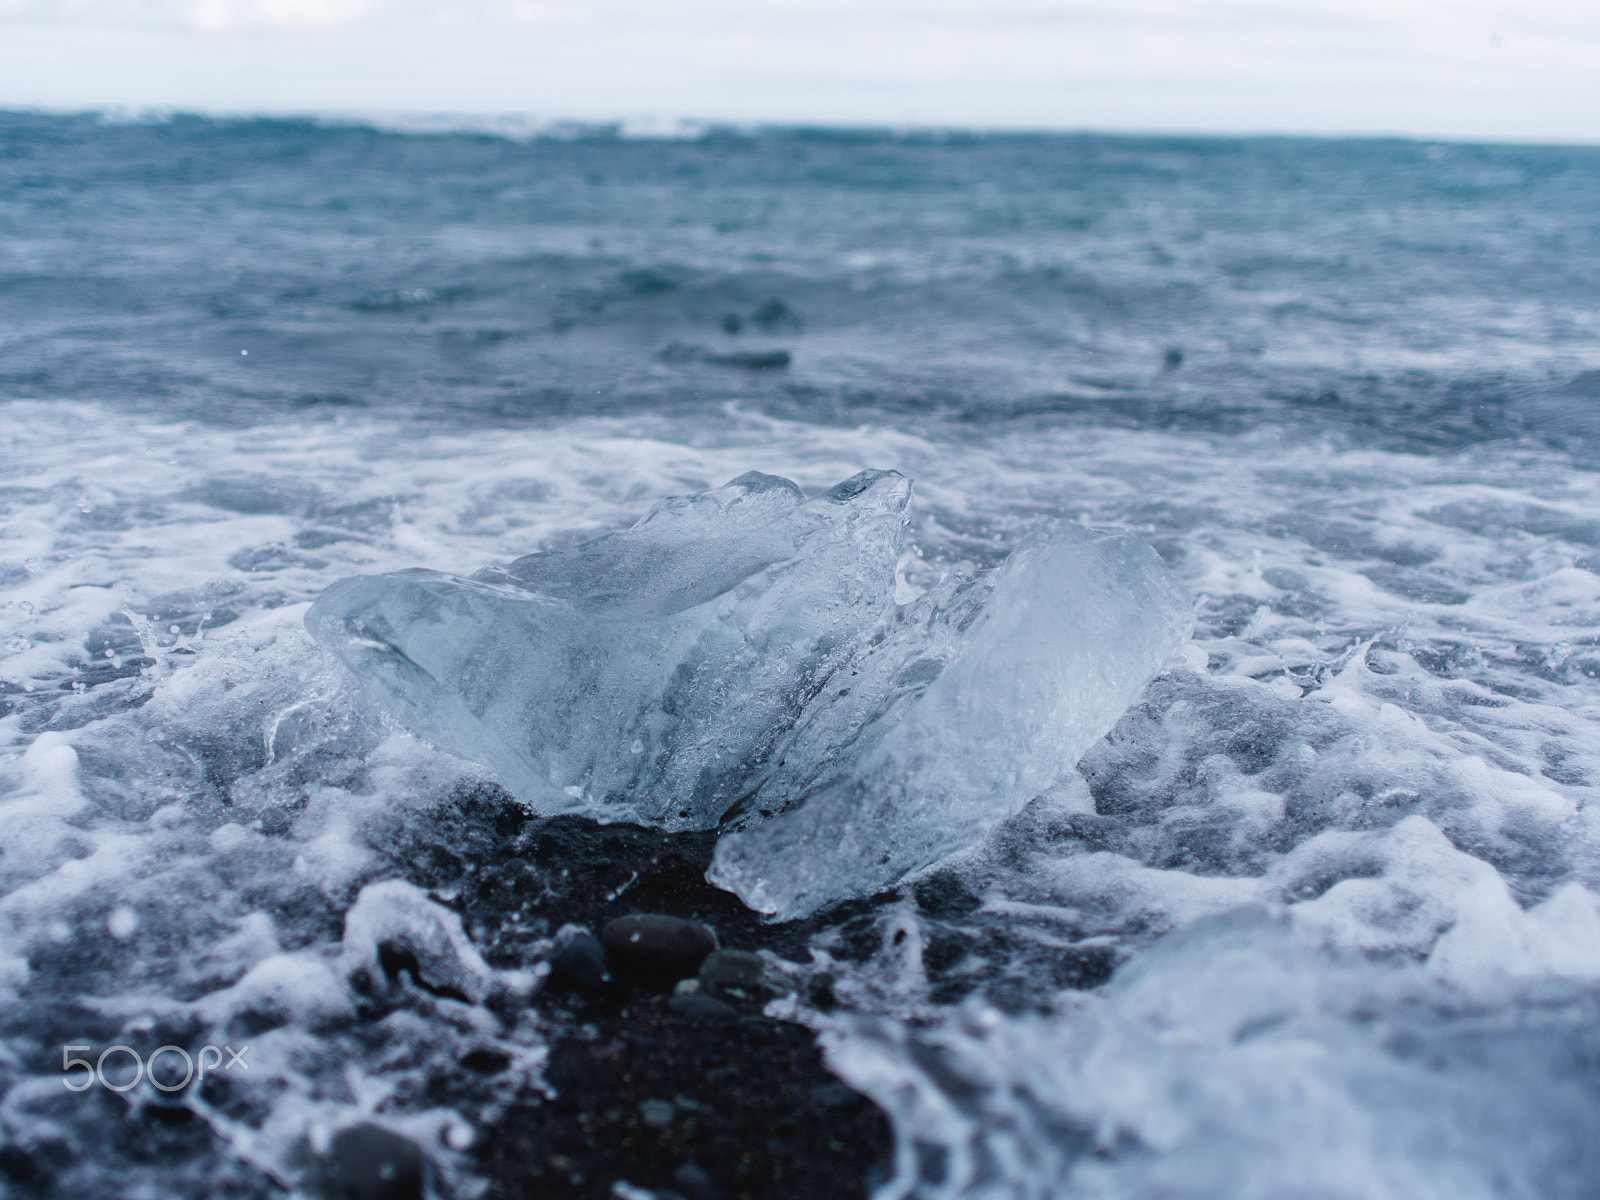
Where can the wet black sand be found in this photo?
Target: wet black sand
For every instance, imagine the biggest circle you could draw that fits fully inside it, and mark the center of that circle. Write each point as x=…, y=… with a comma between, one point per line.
x=696, y=1095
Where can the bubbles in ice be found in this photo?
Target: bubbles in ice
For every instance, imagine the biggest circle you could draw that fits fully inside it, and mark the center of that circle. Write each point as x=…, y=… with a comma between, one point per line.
x=737, y=658
x=695, y=636
x=979, y=697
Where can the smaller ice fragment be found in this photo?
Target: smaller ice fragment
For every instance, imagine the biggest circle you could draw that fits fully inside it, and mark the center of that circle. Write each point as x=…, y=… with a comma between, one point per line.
x=980, y=696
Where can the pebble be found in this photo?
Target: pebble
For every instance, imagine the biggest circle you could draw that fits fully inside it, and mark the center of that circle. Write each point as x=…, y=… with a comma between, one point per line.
x=656, y=951
x=705, y=1009
x=657, y=1113
x=691, y=1179
x=368, y=1162
x=735, y=973
x=579, y=964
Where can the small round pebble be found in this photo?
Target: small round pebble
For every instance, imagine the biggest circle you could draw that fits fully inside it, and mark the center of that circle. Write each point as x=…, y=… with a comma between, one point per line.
x=732, y=972
x=657, y=1113
x=692, y=1180
x=655, y=950
x=701, y=1008
x=579, y=964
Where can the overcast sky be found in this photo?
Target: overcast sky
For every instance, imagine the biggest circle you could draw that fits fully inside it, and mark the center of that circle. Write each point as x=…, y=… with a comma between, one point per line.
x=1499, y=69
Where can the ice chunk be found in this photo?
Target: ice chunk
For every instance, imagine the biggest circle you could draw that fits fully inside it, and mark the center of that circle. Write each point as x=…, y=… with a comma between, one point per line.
x=980, y=696
x=736, y=658
x=646, y=674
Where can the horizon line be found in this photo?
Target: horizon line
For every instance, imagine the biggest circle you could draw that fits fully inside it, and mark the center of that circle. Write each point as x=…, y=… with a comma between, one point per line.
x=527, y=126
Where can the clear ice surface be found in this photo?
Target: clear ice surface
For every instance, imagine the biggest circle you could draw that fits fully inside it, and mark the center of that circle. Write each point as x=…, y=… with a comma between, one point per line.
x=737, y=658
x=981, y=695
x=644, y=675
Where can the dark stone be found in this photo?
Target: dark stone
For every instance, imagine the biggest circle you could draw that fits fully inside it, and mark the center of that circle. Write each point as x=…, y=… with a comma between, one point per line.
x=732, y=972
x=704, y=1009
x=368, y=1162
x=691, y=1179
x=1172, y=359
x=656, y=951
x=579, y=964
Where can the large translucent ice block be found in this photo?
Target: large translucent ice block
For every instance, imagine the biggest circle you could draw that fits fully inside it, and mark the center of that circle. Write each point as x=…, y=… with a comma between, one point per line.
x=979, y=698
x=645, y=675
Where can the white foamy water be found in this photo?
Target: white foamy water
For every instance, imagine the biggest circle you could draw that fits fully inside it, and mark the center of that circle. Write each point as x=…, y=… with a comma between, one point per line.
x=1346, y=845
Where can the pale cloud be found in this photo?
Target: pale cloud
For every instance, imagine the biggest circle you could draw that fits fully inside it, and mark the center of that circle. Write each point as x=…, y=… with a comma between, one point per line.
x=1460, y=67
x=190, y=14
x=233, y=14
